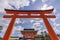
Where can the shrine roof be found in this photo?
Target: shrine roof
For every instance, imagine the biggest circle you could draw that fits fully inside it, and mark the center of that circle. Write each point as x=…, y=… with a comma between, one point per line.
x=29, y=10
x=21, y=38
x=29, y=30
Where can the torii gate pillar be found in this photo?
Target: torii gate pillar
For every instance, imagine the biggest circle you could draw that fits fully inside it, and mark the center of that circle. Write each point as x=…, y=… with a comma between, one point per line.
x=29, y=13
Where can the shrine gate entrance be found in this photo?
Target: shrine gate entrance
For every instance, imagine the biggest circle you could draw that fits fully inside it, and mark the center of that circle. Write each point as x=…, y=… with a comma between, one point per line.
x=29, y=13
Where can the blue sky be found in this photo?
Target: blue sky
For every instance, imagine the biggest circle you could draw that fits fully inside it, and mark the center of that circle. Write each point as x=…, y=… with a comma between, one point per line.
x=35, y=23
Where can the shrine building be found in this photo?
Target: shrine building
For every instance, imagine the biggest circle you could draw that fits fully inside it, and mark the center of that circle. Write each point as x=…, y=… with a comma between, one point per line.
x=29, y=34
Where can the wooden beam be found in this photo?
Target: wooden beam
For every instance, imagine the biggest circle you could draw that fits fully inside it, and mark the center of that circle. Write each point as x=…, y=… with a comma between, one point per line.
x=8, y=11
x=50, y=16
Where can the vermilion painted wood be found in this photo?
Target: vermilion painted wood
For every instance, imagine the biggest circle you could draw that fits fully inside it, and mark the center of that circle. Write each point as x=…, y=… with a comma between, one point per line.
x=17, y=16
x=51, y=32
x=9, y=29
x=29, y=11
x=43, y=16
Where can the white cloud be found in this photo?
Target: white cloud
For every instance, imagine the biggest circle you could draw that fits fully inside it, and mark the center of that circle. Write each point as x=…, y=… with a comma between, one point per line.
x=54, y=11
x=31, y=21
x=19, y=3
x=41, y=21
x=16, y=31
x=56, y=24
x=53, y=19
x=57, y=30
x=17, y=21
x=46, y=7
x=33, y=1
x=19, y=28
x=16, y=3
x=44, y=1
x=4, y=4
x=37, y=26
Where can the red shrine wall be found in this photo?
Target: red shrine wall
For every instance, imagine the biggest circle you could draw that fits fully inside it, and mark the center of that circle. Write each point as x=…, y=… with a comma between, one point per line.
x=29, y=34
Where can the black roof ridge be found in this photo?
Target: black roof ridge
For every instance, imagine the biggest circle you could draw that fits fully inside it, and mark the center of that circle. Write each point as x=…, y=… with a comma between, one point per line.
x=29, y=10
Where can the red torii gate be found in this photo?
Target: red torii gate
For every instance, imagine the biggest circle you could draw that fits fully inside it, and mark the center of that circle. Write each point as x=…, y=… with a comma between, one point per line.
x=42, y=15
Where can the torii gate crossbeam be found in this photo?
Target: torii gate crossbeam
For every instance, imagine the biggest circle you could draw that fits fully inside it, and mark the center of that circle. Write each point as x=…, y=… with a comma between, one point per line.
x=29, y=13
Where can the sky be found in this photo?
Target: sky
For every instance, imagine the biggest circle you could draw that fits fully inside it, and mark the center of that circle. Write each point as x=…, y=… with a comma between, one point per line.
x=36, y=23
